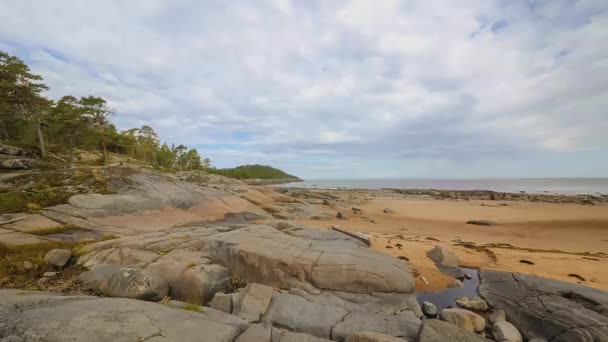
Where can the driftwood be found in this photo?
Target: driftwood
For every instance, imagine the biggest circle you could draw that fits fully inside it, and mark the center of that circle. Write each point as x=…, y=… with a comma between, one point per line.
x=12, y=220
x=358, y=236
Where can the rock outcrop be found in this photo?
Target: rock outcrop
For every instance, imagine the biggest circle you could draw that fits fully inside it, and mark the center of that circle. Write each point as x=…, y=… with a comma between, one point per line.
x=545, y=308
x=311, y=283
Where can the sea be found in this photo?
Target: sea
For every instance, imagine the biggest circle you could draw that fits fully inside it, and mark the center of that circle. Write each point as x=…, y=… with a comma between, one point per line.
x=564, y=186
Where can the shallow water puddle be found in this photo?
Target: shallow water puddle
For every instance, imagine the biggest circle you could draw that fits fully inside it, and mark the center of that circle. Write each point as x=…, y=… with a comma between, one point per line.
x=447, y=297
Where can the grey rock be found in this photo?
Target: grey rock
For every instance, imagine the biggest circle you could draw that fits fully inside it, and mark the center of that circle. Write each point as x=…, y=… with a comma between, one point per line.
x=443, y=256
x=545, y=308
x=472, y=303
x=265, y=255
x=299, y=315
x=506, y=332
x=17, y=164
x=194, y=284
x=92, y=279
x=222, y=302
x=255, y=301
x=537, y=340
x=463, y=319
x=256, y=333
x=388, y=211
x=429, y=309
x=40, y=316
x=455, y=283
x=370, y=336
x=321, y=235
x=468, y=276
x=49, y=274
x=433, y=330
x=497, y=316
x=26, y=265
x=136, y=284
x=482, y=222
x=58, y=257
x=281, y=335
x=405, y=324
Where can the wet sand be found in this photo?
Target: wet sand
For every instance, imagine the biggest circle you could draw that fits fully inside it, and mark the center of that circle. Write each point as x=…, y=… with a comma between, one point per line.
x=561, y=241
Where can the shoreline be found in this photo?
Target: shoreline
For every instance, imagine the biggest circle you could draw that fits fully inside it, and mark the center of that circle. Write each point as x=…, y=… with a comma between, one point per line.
x=467, y=195
x=551, y=236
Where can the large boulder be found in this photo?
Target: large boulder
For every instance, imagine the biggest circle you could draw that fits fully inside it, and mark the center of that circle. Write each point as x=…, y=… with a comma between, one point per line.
x=546, y=308
x=263, y=254
x=433, y=330
x=136, y=284
x=463, y=319
x=40, y=316
x=299, y=315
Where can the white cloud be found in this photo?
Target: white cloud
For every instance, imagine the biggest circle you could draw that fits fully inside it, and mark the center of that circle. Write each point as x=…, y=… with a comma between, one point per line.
x=310, y=84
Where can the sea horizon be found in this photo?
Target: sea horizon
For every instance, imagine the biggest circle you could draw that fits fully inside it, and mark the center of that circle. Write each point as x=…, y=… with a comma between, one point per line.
x=556, y=185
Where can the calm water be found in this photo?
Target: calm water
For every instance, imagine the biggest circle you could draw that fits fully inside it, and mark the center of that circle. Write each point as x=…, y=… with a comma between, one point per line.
x=447, y=297
x=593, y=186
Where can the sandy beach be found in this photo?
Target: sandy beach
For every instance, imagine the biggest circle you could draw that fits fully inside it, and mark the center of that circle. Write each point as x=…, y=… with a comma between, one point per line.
x=568, y=242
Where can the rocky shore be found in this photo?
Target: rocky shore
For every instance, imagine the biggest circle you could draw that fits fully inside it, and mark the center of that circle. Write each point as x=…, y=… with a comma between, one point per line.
x=161, y=257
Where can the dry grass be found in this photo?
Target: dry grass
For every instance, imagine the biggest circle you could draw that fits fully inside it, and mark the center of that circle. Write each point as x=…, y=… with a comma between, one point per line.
x=56, y=230
x=192, y=307
x=14, y=275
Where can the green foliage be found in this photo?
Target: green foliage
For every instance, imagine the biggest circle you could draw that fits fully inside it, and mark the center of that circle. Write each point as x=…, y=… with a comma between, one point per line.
x=29, y=120
x=253, y=171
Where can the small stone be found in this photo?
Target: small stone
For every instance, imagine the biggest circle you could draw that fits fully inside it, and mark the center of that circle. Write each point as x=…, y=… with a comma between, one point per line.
x=342, y=216
x=497, y=316
x=456, y=283
x=388, y=211
x=222, y=302
x=468, y=276
x=472, y=303
x=506, y=332
x=429, y=309
x=49, y=274
x=26, y=265
x=335, y=226
x=58, y=257
x=443, y=256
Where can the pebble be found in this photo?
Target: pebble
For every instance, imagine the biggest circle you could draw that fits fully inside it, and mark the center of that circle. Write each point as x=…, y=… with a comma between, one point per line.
x=49, y=274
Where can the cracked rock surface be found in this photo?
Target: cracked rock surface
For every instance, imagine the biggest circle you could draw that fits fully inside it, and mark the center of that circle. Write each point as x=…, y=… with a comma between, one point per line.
x=548, y=309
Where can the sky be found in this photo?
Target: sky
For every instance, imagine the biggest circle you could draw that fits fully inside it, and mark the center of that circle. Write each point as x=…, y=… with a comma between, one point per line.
x=340, y=89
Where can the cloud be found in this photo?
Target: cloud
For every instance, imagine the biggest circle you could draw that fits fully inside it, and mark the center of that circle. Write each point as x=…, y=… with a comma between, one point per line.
x=339, y=89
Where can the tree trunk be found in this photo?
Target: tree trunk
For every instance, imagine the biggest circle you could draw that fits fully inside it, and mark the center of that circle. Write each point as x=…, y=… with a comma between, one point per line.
x=71, y=151
x=41, y=140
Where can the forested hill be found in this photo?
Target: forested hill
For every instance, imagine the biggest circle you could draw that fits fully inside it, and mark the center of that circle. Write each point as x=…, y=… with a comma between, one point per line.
x=254, y=172
x=71, y=128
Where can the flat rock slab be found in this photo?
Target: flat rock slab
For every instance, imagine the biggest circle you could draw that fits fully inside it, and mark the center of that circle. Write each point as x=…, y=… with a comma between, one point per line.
x=433, y=330
x=32, y=222
x=39, y=316
x=300, y=315
x=17, y=238
x=545, y=308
